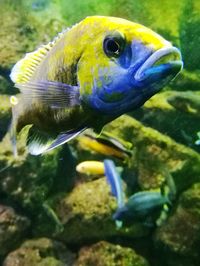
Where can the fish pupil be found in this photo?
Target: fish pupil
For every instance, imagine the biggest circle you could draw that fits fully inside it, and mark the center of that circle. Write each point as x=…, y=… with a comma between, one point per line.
x=111, y=47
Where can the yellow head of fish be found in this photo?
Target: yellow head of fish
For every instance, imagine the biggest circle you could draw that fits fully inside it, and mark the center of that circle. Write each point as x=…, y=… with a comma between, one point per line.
x=123, y=64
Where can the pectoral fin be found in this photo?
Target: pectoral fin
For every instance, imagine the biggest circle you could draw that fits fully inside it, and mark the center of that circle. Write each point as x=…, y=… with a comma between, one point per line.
x=52, y=93
x=63, y=138
x=39, y=142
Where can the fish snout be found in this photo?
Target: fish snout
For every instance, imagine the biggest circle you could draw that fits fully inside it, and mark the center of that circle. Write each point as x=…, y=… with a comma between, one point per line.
x=164, y=64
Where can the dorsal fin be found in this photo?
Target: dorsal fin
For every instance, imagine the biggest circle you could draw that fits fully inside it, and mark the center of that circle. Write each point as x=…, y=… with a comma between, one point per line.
x=24, y=68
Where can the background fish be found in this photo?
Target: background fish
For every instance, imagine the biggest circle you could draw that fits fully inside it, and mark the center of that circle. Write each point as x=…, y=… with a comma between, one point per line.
x=106, y=144
x=197, y=142
x=90, y=168
x=87, y=76
x=114, y=180
x=141, y=205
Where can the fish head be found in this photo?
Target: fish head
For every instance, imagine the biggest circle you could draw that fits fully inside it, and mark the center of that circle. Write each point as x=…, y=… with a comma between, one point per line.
x=124, y=65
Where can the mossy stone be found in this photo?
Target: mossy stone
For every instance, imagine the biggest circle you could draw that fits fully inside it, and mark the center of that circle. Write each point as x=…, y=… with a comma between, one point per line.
x=107, y=254
x=40, y=252
x=178, y=241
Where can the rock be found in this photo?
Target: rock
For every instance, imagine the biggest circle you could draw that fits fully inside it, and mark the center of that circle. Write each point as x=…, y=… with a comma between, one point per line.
x=188, y=102
x=186, y=80
x=86, y=215
x=29, y=180
x=178, y=241
x=155, y=153
x=40, y=252
x=13, y=228
x=169, y=113
x=106, y=254
x=86, y=212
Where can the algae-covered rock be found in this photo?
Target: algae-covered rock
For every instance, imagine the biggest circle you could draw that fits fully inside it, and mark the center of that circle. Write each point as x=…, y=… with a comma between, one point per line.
x=29, y=180
x=22, y=30
x=86, y=212
x=178, y=241
x=13, y=228
x=173, y=113
x=106, y=254
x=40, y=252
x=186, y=80
x=86, y=215
x=155, y=153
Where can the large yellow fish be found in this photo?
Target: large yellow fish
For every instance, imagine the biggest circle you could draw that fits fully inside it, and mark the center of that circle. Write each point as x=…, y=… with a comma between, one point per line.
x=87, y=76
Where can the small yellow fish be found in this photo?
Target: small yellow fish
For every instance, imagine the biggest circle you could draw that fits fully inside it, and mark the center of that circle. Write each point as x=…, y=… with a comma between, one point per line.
x=87, y=76
x=90, y=168
x=106, y=144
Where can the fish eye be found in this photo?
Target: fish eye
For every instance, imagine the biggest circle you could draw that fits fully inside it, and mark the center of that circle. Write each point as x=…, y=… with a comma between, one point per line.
x=113, y=45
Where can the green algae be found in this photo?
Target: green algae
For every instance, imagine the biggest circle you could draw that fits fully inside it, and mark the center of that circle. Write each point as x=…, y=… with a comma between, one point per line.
x=152, y=146
x=190, y=35
x=169, y=113
x=20, y=183
x=13, y=228
x=179, y=238
x=41, y=252
x=87, y=216
x=107, y=254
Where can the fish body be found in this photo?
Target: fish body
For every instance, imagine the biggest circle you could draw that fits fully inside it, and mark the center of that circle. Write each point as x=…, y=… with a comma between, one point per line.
x=106, y=144
x=89, y=75
x=115, y=182
x=90, y=168
x=116, y=186
x=197, y=142
x=141, y=205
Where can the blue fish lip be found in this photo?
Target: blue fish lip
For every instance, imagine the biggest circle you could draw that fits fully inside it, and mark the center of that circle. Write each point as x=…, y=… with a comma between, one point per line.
x=153, y=69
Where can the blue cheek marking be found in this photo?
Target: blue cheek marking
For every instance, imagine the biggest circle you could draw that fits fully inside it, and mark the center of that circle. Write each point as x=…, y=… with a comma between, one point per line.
x=125, y=58
x=130, y=102
x=118, y=91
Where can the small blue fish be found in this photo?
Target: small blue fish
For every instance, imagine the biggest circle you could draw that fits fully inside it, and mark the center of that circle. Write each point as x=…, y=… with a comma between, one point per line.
x=197, y=142
x=115, y=182
x=141, y=205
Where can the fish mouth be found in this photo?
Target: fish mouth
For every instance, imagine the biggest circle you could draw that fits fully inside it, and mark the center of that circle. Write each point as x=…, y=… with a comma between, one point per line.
x=166, y=62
